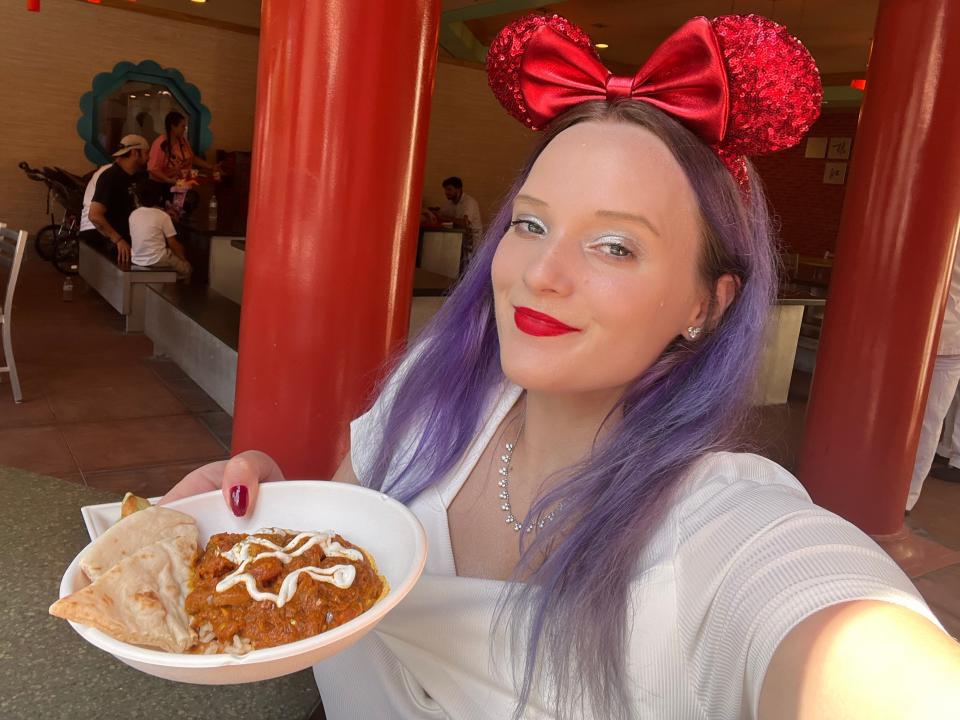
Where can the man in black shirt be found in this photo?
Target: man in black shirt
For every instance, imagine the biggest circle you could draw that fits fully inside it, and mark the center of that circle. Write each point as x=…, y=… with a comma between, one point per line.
x=110, y=198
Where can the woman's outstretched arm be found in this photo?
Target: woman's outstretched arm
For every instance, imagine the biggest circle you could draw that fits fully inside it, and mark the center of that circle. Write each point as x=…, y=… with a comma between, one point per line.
x=863, y=660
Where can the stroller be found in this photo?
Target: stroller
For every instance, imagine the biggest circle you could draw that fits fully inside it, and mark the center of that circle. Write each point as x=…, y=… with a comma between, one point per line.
x=58, y=241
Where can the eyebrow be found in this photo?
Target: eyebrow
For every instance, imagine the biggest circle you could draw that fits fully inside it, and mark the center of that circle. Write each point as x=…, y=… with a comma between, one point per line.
x=628, y=217
x=606, y=214
x=530, y=199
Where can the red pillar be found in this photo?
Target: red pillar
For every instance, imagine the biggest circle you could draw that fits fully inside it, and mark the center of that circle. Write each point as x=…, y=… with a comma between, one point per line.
x=894, y=256
x=343, y=102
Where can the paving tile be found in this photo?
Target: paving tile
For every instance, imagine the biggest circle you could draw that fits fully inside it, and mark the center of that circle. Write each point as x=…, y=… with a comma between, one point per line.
x=165, y=368
x=76, y=477
x=220, y=424
x=34, y=410
x=145, y=482
x=140, y=442
x=941, y=590
x=38, y=449
x=915, y=554
x=28, y=370
x=190, y=394
x=94, y=372
x=938, y=512
x=127, y=399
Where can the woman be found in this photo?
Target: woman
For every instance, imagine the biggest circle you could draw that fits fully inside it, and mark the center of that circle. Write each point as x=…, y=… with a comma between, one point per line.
x=560, y=432
x=171, y=157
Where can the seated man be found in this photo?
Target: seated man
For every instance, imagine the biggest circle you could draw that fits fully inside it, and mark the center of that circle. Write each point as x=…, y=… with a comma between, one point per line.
x=109, y=199
x=153, y=236
x=464, y=211
x=461, y=208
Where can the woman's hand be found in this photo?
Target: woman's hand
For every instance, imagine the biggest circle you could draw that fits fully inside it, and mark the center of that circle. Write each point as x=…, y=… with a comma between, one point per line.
x=237, y=478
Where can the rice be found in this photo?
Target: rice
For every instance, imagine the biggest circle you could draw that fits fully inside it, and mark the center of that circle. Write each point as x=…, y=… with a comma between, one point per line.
x=209, y=645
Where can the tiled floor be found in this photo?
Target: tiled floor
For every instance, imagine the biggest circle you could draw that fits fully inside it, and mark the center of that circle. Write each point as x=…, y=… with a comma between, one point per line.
x=98, y=409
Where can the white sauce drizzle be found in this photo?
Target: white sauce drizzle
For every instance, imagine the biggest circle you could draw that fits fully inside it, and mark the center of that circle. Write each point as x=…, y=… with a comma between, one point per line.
x=342, y=576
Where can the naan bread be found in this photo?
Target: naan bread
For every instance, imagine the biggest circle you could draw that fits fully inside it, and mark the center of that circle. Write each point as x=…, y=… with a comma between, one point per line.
x=133, y=533
x=141, y=598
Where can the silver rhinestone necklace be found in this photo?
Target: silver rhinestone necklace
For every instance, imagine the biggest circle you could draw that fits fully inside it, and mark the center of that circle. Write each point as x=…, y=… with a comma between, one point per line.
x=504, y=485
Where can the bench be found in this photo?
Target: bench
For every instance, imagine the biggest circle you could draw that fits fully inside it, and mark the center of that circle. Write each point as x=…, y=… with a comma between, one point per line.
x=199, y=329
x=123, y=288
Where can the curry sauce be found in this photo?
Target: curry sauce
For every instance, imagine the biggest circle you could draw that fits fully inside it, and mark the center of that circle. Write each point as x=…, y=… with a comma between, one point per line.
x=276, y=586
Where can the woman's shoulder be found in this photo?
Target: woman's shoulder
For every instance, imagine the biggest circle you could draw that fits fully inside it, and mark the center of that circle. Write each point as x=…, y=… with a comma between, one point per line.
x=743, y=494
x=742, y=515
x=723, y=477
x=733, y=472
x=751, y=556
x=729, y=496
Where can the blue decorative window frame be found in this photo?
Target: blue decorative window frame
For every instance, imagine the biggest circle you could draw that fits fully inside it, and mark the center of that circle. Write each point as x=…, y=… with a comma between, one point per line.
x=107, y=83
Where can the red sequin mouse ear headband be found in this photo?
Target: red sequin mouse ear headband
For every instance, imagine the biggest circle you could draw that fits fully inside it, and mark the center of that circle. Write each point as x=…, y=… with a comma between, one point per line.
x=742, y=83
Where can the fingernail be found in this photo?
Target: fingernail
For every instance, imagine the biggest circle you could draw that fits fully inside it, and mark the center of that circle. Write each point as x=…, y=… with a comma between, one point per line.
x=238, y=500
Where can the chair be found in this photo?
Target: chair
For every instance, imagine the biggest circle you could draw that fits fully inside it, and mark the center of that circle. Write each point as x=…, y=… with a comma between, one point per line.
x=12, y=245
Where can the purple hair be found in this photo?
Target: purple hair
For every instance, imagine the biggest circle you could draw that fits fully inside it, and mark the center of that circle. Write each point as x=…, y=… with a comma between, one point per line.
x=568, y=618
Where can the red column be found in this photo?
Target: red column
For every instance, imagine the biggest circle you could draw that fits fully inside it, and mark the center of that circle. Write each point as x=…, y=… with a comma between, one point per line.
x=894, y=255
x=343, y=102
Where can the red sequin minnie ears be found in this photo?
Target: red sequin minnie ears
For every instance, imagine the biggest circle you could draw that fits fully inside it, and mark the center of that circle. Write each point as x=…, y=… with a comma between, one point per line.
x=742, y=83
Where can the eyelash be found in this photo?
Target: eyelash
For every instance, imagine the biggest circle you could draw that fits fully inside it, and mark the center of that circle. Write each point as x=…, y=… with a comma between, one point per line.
x=533, y=223
x=627, y=253
x=610, y=244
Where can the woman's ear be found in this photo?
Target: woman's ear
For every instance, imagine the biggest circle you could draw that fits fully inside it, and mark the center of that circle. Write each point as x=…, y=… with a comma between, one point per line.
x=724, y=293
x=710, y=310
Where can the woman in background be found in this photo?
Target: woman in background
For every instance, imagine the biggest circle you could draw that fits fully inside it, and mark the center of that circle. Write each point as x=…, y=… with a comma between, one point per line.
x=171, y=157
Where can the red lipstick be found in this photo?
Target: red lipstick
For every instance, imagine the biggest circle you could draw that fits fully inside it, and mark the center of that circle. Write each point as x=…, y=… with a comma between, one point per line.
x=539, y=324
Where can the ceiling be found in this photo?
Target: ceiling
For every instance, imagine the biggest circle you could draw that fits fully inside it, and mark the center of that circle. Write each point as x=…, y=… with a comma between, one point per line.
x=244, y=12
x=238, y=12
x=837, y=33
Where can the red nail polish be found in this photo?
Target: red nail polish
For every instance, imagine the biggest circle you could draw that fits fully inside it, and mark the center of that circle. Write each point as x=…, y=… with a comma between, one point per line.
x=239, y=497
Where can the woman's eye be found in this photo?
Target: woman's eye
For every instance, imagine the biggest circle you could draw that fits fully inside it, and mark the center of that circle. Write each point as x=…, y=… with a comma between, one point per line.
x=615, y=248
x=528, y=226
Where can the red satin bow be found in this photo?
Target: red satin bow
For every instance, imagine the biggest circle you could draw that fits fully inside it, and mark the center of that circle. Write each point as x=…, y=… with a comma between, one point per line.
x=685, y=77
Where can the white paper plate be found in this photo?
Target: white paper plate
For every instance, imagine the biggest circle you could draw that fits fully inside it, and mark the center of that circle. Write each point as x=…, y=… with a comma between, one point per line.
x=375, y=522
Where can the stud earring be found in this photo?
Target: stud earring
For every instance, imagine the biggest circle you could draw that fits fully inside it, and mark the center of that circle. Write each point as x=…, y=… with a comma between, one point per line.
x=694, y=332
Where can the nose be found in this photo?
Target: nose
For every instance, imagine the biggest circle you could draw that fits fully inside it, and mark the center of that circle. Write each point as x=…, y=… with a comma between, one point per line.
x=550, y=268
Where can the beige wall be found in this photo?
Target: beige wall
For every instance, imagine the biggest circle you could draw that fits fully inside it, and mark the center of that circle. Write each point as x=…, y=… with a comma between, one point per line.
x=49, y=59
x=471, y=136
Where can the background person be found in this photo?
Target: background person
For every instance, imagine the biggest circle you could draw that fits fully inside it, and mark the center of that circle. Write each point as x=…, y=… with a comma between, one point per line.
x=460, y=208
x=464, y=211
x=153, y=236
x=943, y=387
x=110, y=198
x=171, y=157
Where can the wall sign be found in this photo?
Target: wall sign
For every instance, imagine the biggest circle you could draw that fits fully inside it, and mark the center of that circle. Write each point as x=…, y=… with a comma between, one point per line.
x=835, y=173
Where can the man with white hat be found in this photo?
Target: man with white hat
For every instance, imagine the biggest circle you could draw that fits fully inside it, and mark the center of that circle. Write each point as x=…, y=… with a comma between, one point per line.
x=110, y=198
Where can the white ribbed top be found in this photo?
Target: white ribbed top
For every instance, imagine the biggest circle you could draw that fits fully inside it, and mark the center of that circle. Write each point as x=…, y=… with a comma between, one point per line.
x=741, y=559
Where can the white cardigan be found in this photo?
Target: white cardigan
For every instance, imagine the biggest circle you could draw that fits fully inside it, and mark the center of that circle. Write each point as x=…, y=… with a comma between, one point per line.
x=741, y=559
